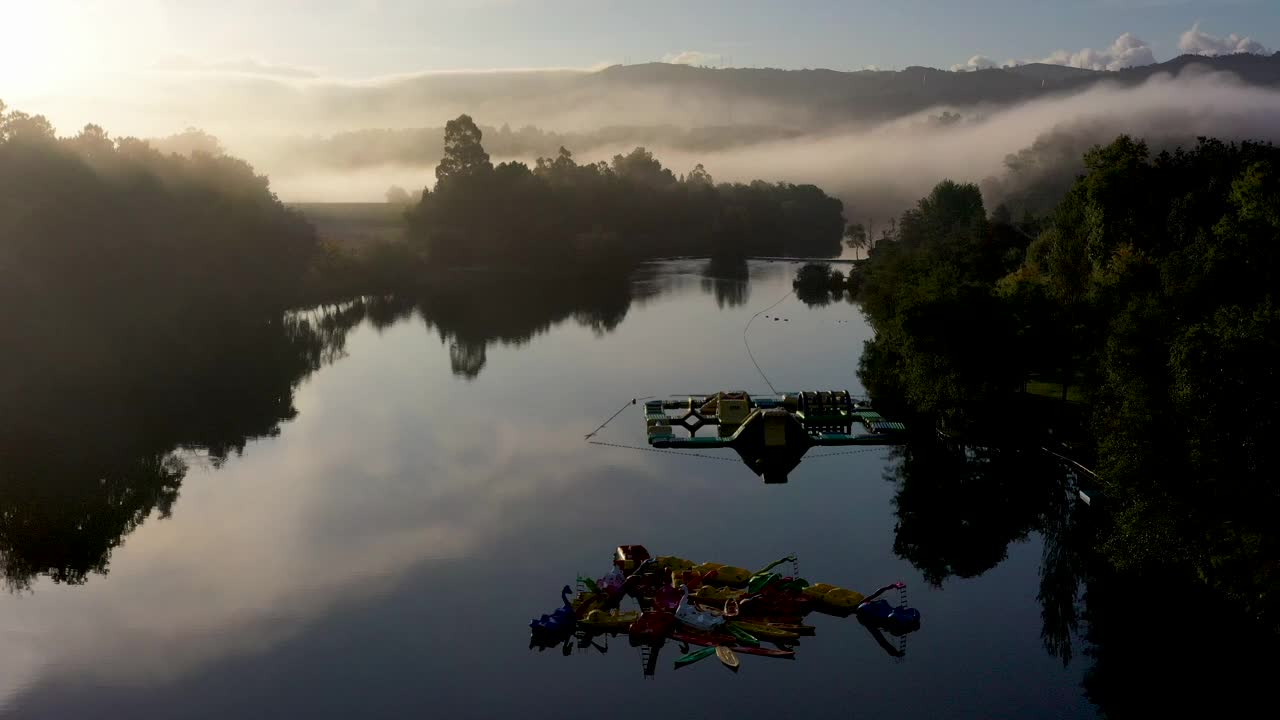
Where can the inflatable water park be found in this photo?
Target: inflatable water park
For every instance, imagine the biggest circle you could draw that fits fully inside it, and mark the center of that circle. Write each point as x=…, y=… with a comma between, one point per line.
x=771, y=434
x=725, y=611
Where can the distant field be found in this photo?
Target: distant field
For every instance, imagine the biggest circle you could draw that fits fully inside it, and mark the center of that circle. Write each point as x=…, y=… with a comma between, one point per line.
x=355, y=223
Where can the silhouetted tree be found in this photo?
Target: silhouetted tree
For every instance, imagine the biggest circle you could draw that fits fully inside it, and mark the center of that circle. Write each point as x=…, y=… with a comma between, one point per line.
x=855, y=236
x=397, y=195
x=464, y=156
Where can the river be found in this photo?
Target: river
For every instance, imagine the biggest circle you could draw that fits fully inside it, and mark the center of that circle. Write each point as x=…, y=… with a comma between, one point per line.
x=380, y=547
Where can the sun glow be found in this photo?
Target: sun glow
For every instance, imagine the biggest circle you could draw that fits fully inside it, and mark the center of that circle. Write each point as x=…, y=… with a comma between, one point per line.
x=52, y=46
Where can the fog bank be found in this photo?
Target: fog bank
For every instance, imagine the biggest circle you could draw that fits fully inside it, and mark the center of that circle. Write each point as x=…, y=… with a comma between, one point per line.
x=879, y=171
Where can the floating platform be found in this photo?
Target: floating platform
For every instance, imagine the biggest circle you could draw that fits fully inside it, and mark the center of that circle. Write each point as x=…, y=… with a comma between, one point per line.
x=771, y=434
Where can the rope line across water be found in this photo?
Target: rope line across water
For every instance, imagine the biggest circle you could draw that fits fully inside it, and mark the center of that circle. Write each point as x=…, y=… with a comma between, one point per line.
x=846, y=452
x=625, y=405
x=665, y=452
x=748, y=344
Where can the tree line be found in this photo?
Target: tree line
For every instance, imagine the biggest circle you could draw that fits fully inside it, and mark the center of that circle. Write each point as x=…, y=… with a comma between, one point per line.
x=108, y=225
x=1149, y=293
x=562, y=213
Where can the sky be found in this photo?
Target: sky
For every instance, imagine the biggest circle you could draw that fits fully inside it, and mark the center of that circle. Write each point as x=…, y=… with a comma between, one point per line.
x=51, y=46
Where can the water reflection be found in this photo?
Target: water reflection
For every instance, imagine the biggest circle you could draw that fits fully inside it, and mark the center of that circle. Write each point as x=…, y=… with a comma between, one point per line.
x=959, y=508
x=512, y=311
x=728, y=279
x=85, y=458
x=87, y=455
x=90, y=447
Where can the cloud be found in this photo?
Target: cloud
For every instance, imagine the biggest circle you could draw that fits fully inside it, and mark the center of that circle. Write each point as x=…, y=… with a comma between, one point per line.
x=977, y=62
x=1127, y=51
x=1197, y=42
x=692, y=57
x=240, y=66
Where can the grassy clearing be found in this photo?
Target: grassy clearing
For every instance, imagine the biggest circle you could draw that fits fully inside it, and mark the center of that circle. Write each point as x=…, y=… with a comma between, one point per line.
x=1054, y=390
x=354, y=224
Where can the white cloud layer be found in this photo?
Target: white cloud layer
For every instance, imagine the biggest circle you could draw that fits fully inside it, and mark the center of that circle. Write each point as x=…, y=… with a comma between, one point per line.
x=1197, y=42
x=693, y=57
x=1127, y=51
x=977, y=62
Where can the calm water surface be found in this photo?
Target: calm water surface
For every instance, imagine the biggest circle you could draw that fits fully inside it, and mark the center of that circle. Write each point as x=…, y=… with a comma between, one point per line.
x=382, y=554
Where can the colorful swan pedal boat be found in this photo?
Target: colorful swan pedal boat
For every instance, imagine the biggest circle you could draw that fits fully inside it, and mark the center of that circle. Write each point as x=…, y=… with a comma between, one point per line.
x=687, y=613
x=560, y=623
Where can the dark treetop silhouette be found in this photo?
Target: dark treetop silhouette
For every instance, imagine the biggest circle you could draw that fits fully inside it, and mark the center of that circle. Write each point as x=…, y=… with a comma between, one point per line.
x=562, y=214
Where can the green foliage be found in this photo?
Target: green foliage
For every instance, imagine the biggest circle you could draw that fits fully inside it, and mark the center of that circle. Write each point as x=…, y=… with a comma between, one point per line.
x=1152, y=285
x=562, y=213
x=819, y=283
x=929, y=294
x=114, y=227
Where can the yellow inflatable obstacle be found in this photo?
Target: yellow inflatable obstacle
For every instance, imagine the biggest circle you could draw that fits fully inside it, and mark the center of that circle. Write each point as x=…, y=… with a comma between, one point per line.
x=834, y=597
x=730, y=576
x=670, y=563
x=599, y=621
x=716, y=595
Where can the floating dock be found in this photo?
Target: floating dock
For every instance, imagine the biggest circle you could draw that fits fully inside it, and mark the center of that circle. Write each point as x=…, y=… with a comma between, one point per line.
x=773, y=433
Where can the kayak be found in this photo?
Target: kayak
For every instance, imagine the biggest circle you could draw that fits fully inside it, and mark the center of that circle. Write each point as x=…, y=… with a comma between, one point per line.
x=796, y=628
x=765, y=652
x=768, y=632
x=694, y=637
x=694, y=657
x=727, y=657
x=742, y=636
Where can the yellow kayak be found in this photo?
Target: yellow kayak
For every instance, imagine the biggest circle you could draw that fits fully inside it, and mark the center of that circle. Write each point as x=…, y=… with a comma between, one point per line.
x=727, y=657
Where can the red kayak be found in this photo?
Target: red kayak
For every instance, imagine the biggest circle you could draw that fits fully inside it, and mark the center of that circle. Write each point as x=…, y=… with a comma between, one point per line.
x=693, y=637
x=705, y=639
x=765, y=652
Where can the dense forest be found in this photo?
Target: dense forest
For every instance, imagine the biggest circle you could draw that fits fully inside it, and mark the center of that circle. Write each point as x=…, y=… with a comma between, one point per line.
x=562, y=213
x=114, y=238
x=1146, y=299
